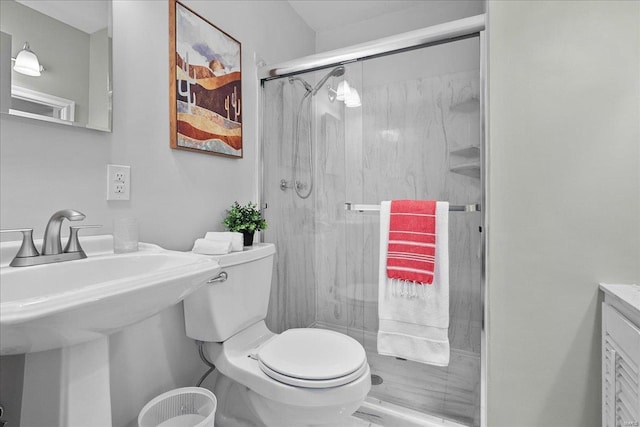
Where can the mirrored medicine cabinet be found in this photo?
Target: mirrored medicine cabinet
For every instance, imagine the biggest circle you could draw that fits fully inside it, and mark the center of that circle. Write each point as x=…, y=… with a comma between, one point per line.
x=55, y=59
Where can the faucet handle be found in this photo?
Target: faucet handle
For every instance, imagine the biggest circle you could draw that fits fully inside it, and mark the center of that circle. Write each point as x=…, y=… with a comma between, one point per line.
x=73, y=244
x=27, y=249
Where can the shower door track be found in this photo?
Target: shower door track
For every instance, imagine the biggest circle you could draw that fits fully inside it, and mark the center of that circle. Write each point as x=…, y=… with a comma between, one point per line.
x=436, y=34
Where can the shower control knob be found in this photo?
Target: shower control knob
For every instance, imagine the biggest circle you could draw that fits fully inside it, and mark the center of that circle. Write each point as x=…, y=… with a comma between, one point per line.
x=284, y=185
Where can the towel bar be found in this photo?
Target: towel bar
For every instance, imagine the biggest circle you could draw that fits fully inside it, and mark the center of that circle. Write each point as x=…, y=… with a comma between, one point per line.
x=452, y=208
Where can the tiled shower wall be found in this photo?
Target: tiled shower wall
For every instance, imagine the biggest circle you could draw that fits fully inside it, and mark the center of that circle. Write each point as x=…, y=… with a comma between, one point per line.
x=399, y=144
x=290, y=219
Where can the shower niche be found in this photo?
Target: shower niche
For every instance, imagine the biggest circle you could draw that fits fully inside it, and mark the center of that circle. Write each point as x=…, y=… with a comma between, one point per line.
x=465, y=126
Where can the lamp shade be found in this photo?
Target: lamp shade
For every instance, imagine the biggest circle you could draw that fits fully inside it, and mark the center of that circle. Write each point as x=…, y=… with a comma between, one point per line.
x=27, y=62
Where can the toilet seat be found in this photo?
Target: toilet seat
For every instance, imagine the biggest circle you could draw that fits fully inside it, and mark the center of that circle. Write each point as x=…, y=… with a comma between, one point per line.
x=299, y=382
x=312, y=358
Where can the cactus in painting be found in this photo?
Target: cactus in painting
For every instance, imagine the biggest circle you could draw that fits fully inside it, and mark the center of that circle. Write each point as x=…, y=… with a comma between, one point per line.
x=187, y=93
x=235, y=102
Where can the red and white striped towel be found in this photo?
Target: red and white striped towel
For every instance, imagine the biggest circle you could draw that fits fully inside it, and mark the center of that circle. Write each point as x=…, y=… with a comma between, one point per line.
x=412, y=241
x=413, y=319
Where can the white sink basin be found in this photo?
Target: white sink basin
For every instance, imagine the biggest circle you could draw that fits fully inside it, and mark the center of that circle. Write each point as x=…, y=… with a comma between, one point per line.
x=57, y=305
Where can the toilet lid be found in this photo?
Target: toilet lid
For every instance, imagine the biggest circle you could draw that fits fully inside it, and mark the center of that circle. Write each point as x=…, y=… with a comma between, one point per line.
x=313, y=357
x=299, y=382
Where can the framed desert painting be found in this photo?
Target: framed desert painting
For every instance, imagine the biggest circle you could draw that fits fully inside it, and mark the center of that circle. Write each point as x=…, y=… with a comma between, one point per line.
x=205, y=85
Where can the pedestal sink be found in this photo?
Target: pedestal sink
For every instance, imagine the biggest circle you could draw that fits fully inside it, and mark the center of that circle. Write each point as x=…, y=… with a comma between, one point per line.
x=62, y=313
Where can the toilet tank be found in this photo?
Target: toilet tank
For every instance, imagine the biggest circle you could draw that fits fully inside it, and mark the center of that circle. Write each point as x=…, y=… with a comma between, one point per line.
x=217, y=311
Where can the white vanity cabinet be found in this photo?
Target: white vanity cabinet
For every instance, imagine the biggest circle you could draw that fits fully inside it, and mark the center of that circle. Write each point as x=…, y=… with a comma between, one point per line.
x=621, y=355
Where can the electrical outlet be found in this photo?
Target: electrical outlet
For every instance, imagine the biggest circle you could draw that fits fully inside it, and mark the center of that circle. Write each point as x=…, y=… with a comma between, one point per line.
x=118, y=182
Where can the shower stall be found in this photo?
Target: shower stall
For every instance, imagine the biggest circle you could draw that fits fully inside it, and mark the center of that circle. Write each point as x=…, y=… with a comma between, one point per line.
x=400, y=118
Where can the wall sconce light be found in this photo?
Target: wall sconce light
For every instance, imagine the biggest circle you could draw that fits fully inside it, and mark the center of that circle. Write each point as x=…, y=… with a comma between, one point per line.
x=26, y=62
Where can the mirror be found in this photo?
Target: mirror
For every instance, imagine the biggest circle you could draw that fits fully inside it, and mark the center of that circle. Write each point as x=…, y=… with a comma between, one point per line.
x=72, y=43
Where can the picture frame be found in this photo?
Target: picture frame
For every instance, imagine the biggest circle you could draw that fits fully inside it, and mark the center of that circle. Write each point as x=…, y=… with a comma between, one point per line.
x=205, y=85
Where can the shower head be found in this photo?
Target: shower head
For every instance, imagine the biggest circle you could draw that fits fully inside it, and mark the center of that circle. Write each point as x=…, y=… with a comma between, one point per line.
x=336, y=72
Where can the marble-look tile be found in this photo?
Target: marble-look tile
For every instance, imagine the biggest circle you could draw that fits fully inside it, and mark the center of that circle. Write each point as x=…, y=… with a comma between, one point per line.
x=291, y=219
x=397, y=145
x=329, y=223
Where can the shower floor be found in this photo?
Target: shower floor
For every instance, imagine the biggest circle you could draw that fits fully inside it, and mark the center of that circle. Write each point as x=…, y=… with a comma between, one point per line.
x=418, y=389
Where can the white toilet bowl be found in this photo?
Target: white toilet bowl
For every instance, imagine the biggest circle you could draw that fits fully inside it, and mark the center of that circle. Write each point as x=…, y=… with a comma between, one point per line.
x=301, y=377
x=326, y=392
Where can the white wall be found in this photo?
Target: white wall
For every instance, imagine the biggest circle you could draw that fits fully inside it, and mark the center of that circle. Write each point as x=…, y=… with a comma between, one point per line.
x=176, y=195
x=423, y=15
x=564, y=203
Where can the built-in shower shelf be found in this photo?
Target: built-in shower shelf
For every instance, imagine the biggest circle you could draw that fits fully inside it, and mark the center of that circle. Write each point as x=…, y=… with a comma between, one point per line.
x=467, y=106
x=468, y=169
x=466, y=161
x=470, y=152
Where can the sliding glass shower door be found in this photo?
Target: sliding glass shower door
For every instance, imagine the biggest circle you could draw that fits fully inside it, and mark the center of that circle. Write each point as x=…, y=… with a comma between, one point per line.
x=415, y=134
x=421, y=140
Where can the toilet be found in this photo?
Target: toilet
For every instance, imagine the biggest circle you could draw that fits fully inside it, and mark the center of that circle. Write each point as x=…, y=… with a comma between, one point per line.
x=301, y=377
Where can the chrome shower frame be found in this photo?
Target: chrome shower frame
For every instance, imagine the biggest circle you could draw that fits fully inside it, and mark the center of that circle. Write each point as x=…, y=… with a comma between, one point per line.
x=474, y=26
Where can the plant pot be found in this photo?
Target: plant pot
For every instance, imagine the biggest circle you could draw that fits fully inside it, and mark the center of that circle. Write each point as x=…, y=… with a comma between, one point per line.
x=248, y=237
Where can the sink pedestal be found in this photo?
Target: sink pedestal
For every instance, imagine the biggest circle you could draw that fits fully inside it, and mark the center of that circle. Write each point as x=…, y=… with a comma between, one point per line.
x=68, y=386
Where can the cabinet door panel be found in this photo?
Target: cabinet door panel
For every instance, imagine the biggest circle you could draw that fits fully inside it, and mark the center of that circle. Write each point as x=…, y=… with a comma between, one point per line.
x=620, y=370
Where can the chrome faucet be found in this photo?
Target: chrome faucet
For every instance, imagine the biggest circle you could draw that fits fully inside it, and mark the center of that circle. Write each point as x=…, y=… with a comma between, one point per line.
x=51, y=245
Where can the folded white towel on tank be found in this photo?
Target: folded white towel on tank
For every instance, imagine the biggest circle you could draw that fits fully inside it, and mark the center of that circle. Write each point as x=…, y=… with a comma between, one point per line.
x=211, y=247
x=236, y=239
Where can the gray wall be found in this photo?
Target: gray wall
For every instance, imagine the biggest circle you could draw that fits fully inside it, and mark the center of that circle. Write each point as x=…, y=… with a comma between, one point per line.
x=564, y=203
x=176, y=195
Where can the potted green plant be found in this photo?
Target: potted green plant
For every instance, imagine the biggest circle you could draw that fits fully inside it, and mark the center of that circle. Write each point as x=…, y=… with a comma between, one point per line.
x=246, y=220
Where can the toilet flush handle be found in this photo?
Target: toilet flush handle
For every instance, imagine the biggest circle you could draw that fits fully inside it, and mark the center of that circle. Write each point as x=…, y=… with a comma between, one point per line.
x=222, y=277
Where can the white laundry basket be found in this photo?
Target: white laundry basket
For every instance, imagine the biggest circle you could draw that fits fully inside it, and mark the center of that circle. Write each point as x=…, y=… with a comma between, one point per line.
x=182, y=407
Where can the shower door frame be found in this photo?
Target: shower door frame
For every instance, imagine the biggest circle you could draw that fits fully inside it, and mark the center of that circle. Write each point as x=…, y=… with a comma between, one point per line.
x=474, y=26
